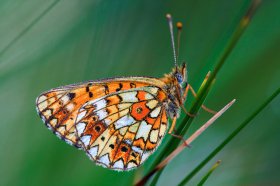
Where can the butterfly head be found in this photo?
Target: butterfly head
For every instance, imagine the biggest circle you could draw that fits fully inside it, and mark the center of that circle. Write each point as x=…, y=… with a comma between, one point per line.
x=179, y=74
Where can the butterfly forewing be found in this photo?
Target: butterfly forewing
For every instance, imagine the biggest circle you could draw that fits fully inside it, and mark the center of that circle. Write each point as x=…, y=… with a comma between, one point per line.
x=117, y=122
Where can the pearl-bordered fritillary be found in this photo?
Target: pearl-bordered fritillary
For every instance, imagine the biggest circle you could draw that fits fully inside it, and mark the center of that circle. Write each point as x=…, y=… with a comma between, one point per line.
x=118, y=122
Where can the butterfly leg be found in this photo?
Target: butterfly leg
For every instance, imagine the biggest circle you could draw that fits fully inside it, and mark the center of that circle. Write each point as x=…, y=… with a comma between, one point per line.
x=172, y=128
x=189, y=114
x=189, y=87
x=182, y=106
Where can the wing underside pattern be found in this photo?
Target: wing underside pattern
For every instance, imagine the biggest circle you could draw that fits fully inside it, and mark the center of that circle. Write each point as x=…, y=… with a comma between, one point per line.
x=121, y=134
x=117, y=124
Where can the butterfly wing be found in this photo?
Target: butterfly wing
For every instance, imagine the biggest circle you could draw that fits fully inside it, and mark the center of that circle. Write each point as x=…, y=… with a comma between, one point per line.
x=121, y=130
x=128, y=112
x=58, y=108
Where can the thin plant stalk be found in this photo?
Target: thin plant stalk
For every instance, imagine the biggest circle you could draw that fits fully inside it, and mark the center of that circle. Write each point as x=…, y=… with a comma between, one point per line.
x=229, y=138
x=204, y=179
x=186, y=122
x=163, y=153
x=180, y=148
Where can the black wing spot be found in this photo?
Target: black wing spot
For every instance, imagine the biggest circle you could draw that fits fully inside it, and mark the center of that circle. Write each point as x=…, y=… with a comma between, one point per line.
x=97, y=128
x=108, y=111
x=133, y=154
x=87, y=89
x=106, y=89
x=120, y=87
x=133, y=161
x=51, y=117
x=107, y=101
x=94, y=118
x=124, y=149
x=90, y=94
x=71, y=95
x=111, y=146
x=102, y=138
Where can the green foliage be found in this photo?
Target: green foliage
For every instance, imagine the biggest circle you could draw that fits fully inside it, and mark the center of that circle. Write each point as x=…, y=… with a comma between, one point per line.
x=229, y=138
x=204, y=179
x=46, y=44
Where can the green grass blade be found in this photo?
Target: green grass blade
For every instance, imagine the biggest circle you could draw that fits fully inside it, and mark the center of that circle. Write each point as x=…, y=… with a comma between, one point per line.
x=229, y=138
x=156, y=177
x=204, y=179
x=202, y=93
x=154, y=181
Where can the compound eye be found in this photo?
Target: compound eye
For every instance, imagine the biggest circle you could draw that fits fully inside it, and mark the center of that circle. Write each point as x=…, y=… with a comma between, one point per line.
x=179, y=78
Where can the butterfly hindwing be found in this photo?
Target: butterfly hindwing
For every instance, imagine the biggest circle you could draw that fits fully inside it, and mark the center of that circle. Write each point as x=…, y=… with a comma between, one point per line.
x=120, y=130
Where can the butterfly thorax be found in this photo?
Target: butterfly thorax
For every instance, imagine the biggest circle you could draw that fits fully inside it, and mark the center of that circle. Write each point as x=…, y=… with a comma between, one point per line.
x=174, y=88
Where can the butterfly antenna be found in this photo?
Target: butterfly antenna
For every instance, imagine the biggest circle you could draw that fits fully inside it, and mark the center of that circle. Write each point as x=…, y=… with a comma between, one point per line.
x=179, y=31
x=169, y=19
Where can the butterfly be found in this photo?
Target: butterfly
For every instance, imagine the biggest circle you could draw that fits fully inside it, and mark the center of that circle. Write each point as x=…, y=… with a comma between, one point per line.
x=118, y=122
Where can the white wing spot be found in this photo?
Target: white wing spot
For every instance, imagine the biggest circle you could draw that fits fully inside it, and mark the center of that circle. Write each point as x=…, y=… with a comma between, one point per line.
x=148, y=96
x=86, y=140
x=101, y=114
x=80, y=128
x=152, y=90
x=80, y=116
x=152, y=104
x=70, y=107
x=122, y=106
x=104, y=159
x=53, y=122
x=64, y=99
x=155, y=112
x=131, y=165
x=129, y=97
x=42, y=105
x=126, y=120
x=137, y=149
x=143, y=130
x=133, y=128
x=118, y=164
x=100, y=104
x=154, y=136
x=93, y=151
x=47, y=113
x=128, y=141
x=107, y=121
x=162, y=130
x=123, y=131
x=41, y=99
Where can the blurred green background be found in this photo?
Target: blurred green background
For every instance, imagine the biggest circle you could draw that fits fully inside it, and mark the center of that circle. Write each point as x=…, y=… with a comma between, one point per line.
x=46, y=44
